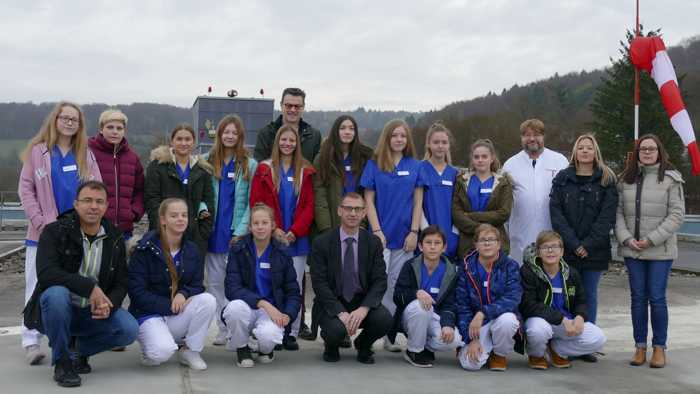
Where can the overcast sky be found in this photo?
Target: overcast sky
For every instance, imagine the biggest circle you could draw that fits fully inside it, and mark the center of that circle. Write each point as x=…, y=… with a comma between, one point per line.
x=378, y=54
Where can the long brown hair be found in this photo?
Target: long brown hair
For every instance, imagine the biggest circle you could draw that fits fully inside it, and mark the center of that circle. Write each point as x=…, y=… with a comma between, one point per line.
x=382, y=153
x=631, y=172
x=486, y=143
x=438, y=127
x=48, y=134
x=165, y=246
x=598, y=162
x=331, y=154
x=298, y=161
x=218, y=151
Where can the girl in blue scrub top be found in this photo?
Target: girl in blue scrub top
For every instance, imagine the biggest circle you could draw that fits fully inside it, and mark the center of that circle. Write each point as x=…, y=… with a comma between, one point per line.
x=233, y=171
x=393, y=208
x=55, y=162
x=483, y=194
x=436, y=178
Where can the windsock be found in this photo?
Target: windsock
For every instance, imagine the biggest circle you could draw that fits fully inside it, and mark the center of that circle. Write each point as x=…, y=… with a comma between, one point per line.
x=649, y=53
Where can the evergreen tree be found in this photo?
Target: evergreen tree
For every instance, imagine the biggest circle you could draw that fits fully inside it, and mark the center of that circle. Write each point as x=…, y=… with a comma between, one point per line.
x=613, y=110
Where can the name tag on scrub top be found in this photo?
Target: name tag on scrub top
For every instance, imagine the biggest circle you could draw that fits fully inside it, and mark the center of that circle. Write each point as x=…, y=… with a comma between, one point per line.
x=556, y=290
x=70, y=168
x=290, y=179
x=185, y=181
x=486, y=191
x=403, y=173
x=434, y=290
x=486, y=283
x=348, y=168
x=446, y=182
x=231, y=175
x=266, y=266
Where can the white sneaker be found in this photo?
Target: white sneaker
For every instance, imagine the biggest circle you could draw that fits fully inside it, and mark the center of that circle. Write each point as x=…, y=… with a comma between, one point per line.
x=147, y=362
x=266, y=358
x=192, y=359
x=221, y=338
x=391, y=347
x=34, y=354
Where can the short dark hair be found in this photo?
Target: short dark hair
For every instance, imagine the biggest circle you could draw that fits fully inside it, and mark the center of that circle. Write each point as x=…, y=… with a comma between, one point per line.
x=432, y=230
x=294, y=92
x=92, y=185
x=352, y=195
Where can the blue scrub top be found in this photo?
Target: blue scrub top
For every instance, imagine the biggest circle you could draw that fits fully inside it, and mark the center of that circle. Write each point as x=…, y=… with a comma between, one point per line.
x=437, y=200
x=558, y=301
x=479, y=193
x=221, y=236
x=483, y=280
x=350, y=181
x=393, y=197
x=65, y=179
x=288, y=204
x=431, y=283
x=263, y=274
x=183, y=173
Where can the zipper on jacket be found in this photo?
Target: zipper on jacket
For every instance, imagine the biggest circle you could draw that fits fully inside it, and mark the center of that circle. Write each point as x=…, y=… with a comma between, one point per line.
x=478, y=291
x=116, y=189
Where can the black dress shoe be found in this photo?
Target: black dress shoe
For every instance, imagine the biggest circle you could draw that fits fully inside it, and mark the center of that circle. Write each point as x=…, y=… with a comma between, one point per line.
x=278, y=347
x=81, y=366
x=64, y=374
x=428, y=355
x=345, y=343
x=290, y=343
x=331, y=354
x=306, y=334
x=589, y=358
x=365, y=356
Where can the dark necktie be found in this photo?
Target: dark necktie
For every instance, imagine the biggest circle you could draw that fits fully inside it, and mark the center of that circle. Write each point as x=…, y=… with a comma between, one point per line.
x=349, y=273
x=533, y=163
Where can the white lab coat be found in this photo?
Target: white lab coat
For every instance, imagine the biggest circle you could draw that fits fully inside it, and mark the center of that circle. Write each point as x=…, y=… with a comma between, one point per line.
x=531, y=187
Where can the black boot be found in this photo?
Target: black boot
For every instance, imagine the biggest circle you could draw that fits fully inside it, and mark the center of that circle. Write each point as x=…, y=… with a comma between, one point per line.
x=81, y=366
x=64, y=374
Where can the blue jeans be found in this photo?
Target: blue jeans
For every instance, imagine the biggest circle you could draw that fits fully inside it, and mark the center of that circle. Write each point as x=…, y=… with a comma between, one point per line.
x=62, y=320
x=648, y=281
x=590, y=284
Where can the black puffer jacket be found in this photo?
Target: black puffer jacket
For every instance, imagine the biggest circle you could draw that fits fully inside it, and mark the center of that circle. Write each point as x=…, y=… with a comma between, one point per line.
x=583, y=213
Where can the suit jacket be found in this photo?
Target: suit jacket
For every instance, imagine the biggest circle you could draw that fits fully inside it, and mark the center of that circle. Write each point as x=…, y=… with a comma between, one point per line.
x=325, y=261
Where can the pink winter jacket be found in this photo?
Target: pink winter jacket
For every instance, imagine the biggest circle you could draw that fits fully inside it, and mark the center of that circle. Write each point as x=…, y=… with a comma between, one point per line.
x=35, y=189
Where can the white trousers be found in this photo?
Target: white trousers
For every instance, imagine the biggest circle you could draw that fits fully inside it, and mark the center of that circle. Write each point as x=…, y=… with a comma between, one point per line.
x=539, y=332
x=216, y=275
x=30, y=337
x=496, y=336
x=159, y=336
x=394, y=260
x=422, y=327
x=242, y=321
x=299, y=267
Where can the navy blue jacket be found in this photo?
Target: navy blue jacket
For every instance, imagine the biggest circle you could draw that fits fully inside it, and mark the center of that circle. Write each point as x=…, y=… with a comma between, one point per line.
x=240, y=277
x=149, y=280
x=505, y=291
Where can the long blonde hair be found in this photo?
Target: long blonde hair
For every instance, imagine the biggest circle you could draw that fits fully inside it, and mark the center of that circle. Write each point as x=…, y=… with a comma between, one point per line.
x=438, y=127
x=165, y=246
x=598, y=162
x=218, y=151
x=48, y=134
x=298, y=161
x=382, y=153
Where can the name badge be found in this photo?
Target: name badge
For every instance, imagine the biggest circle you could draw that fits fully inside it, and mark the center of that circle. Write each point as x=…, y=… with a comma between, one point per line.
x=348, y=168
x=231, y=175
x=434, y=290
x=185, y=181
x=266, y=266
x=486, y=283
x=290, y=179
x=556, y=290
x=70, y=168
x=446, y=183
x=486, y=190
x=403, y=173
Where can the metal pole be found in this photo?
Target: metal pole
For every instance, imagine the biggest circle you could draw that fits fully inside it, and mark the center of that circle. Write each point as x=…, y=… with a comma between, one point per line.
x=636, y=86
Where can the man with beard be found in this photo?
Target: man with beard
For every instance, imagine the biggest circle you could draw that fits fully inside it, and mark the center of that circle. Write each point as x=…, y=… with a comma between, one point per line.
x=532, y=170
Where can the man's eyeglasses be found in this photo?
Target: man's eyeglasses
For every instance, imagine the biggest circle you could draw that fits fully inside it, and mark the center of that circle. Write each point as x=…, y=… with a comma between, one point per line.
x=550, y=249
x=89, y=201
x=487, y=241
x=349, y=209
x=293, y=106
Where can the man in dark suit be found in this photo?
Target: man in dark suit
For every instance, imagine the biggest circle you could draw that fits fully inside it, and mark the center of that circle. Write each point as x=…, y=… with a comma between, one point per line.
x=349, y=279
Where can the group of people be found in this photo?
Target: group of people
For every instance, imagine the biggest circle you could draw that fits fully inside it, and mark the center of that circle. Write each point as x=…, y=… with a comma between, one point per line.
x=487, y=260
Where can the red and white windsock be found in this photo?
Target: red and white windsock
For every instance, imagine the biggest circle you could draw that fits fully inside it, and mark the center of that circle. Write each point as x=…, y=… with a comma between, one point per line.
x=649, y=53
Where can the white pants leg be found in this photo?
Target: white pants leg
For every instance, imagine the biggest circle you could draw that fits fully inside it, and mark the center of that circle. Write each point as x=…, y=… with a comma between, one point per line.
x=299, y=267
x=157, y=343
x=216, y=274
x=538, y=333
x=496, y=336
x=30, y=337
x=416, y=322
x=191, y=325
x=589, y=341
x=394, y=259
x=435, y=342
x=241, y=321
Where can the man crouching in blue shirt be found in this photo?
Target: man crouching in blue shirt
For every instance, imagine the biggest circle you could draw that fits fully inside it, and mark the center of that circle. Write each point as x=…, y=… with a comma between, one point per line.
x=82, y=281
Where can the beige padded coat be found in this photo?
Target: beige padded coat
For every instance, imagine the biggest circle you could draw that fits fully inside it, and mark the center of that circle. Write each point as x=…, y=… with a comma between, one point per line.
x=662, y=213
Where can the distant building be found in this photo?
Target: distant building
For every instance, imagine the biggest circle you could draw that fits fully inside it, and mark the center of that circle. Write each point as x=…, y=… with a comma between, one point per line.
x=207, y=111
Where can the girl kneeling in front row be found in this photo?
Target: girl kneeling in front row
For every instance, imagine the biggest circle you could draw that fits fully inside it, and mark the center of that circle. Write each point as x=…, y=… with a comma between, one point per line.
x=262, y=285
x=425, y=300
x=488, y=295
x=166, y=291
x=554, y=306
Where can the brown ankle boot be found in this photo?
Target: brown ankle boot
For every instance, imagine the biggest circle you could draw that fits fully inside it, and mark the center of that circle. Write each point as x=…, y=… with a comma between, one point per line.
x=658, y=358
x=640, y=357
